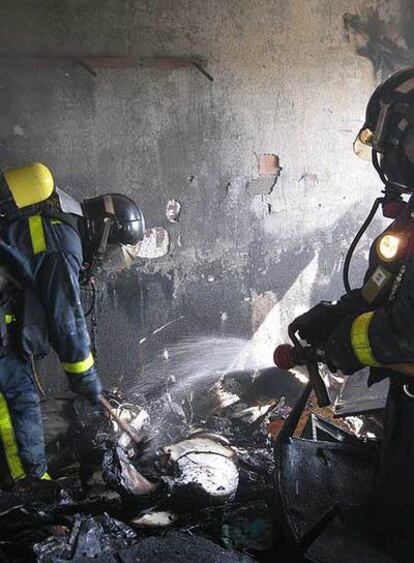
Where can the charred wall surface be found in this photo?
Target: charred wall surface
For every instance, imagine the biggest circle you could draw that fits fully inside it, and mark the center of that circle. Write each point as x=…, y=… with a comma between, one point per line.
x=290, y=78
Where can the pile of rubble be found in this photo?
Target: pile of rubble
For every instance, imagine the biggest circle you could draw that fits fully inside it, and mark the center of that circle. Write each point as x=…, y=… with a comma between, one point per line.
x=204, y=476
x=195, y=483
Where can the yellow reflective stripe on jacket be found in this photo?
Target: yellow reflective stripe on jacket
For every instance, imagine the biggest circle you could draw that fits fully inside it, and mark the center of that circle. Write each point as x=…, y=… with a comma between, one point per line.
x=8, y=440
x=46, y=476
x=79, y=367
x=37, y=234
x=8, y=318
x=360, y=340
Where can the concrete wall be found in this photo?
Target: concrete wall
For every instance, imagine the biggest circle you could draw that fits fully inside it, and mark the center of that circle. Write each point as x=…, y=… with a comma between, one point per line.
x=289, y=79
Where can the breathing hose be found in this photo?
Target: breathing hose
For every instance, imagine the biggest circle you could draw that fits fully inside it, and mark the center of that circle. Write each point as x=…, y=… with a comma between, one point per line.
x=356, y=240
x=392, y=193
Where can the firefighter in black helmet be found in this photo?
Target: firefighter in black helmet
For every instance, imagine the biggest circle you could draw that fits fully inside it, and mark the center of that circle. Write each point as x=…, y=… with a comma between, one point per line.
x=374, y=325
x=44, y=236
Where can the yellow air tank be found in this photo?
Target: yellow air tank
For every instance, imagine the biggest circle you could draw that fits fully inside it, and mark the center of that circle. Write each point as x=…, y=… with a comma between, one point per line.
x=30, y=184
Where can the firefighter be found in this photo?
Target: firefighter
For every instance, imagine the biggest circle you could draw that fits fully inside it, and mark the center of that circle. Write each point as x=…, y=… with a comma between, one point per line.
x=374, y=325
x=45, y=238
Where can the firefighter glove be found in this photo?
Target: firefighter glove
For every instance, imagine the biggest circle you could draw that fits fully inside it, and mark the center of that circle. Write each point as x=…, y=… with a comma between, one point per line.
x=315, y=326
x=87, y=384
x=339, y=352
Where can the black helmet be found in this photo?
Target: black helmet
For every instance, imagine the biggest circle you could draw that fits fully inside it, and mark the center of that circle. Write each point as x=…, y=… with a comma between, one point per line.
x=389, y=131
x=124, y=220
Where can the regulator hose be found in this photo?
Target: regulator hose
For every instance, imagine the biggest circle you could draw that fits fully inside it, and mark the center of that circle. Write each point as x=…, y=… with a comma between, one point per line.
x=356, y=240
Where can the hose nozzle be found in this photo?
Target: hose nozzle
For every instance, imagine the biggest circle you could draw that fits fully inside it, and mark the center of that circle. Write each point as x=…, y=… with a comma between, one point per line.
x=284, y=357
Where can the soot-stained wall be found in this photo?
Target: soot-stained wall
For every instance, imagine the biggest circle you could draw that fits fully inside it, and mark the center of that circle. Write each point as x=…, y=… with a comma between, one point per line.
x=291, y=78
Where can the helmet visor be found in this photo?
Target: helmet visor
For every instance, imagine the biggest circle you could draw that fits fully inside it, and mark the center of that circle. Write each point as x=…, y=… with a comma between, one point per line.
x=363, y=144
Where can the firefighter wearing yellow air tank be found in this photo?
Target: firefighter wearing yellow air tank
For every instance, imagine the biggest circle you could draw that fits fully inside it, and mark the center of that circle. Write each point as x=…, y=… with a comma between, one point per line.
x=46, y=238
x=374, y=325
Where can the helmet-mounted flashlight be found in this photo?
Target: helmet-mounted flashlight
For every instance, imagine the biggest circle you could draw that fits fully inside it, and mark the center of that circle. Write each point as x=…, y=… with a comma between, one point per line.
x=367, y=139
x=363, y=144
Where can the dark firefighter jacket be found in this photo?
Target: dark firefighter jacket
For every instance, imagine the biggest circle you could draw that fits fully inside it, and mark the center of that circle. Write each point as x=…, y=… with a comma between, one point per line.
x=377, y=330
x=44, y=255
x=379, y=327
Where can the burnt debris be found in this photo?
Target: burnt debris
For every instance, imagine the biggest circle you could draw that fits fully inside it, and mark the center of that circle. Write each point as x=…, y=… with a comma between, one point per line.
x=207, y=454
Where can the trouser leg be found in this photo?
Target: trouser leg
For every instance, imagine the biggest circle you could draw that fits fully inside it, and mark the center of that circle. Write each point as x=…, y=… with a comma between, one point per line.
x=21, y=427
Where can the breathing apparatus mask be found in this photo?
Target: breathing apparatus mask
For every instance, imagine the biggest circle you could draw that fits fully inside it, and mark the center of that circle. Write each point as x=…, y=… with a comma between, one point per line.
x=387, y=136
x=387, y=139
